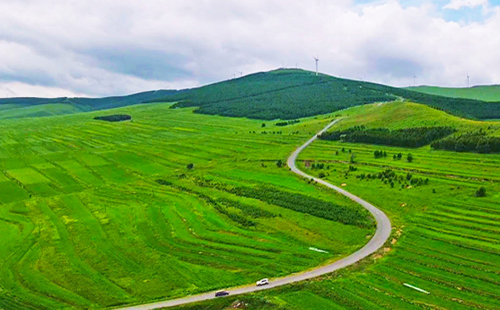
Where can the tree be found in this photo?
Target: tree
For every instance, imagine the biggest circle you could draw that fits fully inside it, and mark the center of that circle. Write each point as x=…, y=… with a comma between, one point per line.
x=409, y=158
x=263, y=125
x=481, y=192
x=190, y=166
x=279, y=163
x=321, y=175
x=400, y=155
x=353, y=158
x=336, y=152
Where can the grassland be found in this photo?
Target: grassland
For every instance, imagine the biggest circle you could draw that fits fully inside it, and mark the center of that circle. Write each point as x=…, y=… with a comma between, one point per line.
x=445, y=241
x=484, y=93
x=86, y=223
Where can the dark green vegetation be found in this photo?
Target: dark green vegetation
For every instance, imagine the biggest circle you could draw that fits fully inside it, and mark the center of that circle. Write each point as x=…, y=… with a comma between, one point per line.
x=476, y=141
x=84, y=223
x=280, y=94
x=295, y=121
x=446, y=236
x=291, y=93
x=114, y=118
x=409, y=137
x=485, y=93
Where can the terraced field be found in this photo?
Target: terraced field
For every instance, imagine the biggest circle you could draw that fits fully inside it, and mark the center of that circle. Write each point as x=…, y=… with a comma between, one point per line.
x=446, y=240
x=97, y=215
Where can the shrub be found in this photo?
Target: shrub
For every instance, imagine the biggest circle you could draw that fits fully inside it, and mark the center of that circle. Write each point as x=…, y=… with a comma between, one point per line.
x=481, y=192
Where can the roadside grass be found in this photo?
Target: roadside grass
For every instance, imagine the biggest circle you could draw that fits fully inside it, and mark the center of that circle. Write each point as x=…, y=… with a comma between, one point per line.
x=84, y=224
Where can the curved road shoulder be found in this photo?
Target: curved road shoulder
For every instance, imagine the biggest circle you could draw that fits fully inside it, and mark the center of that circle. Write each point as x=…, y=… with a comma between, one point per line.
x=376, y=242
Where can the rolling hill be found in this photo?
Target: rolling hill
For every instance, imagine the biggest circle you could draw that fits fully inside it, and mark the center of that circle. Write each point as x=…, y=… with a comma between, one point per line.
x=39, y=107
x=484, y=93
x=280, y=94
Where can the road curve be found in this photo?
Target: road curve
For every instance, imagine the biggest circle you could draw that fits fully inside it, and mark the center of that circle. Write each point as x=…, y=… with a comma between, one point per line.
x=377, y=241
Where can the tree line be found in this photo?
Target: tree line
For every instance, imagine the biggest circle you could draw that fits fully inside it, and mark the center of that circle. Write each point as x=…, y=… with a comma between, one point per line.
x=297, y=202
x=407, y=137
x=286, y=123
x=477, y=141
x=114, y=118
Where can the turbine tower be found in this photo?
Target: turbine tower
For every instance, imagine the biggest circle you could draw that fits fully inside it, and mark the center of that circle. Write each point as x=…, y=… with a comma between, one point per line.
x=468, y=80
x=316, y=59
x=414, y=80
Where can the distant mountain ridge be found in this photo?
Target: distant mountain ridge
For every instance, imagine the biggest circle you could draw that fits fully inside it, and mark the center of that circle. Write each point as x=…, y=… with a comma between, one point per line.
x=279, y=94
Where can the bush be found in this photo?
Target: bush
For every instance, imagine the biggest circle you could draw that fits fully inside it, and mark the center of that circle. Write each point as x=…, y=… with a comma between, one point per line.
x=114, y=118
x=190, y=166
x=481, y=192
x=409, y=158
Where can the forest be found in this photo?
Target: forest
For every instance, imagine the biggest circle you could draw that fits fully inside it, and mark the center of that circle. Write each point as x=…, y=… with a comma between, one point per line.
x=477, y=141
x=407, y=137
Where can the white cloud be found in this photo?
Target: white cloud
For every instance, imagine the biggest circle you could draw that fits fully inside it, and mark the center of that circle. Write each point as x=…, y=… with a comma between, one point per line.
x=117, y=47
x=458, y=4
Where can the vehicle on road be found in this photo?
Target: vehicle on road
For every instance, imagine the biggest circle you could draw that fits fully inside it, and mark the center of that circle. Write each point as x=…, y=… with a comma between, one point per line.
x=263, y=282
x=221, y=293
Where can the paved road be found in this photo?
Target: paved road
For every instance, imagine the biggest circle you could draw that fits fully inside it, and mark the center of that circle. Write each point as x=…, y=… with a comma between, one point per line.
x=381, y=235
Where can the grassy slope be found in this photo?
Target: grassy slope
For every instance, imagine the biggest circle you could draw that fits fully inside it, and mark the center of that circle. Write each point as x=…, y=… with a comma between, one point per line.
x=39, y=107
x=49, y=109
x=485, y=93
x=85, y=225
x=445, y=242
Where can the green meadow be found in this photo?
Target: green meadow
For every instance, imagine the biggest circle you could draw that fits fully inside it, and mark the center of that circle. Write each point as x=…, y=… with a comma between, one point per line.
x=98, y=214
x=484, y=93
x=446, y=241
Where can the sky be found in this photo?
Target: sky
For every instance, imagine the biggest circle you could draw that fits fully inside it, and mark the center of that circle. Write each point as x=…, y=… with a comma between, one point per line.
x=55, y=48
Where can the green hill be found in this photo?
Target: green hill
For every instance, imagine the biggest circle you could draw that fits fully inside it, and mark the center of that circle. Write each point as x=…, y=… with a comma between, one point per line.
x=292, y=93
x=38, y=107
x=280, y=94
x=484, y=93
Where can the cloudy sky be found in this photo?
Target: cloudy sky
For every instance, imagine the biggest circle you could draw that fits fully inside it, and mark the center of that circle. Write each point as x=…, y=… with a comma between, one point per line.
x=113, y=47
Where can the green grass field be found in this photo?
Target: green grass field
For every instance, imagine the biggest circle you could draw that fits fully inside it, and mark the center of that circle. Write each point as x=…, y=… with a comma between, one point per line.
x=86, y=224
x=445, y=241
x=485, y=93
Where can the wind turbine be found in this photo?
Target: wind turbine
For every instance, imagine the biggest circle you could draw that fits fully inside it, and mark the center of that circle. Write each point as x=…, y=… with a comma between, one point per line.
x=468, y=80
x=316, y=59
x=414, y=81
x=241, y=73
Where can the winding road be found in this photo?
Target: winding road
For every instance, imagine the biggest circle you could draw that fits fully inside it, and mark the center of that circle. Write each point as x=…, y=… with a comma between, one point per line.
x=376, y=242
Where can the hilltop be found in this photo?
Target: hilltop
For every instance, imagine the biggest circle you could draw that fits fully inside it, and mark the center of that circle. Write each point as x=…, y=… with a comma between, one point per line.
x=484, y=93
x=280, y=94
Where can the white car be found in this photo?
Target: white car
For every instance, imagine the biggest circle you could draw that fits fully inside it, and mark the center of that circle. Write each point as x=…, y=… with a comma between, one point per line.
x=263, y=282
